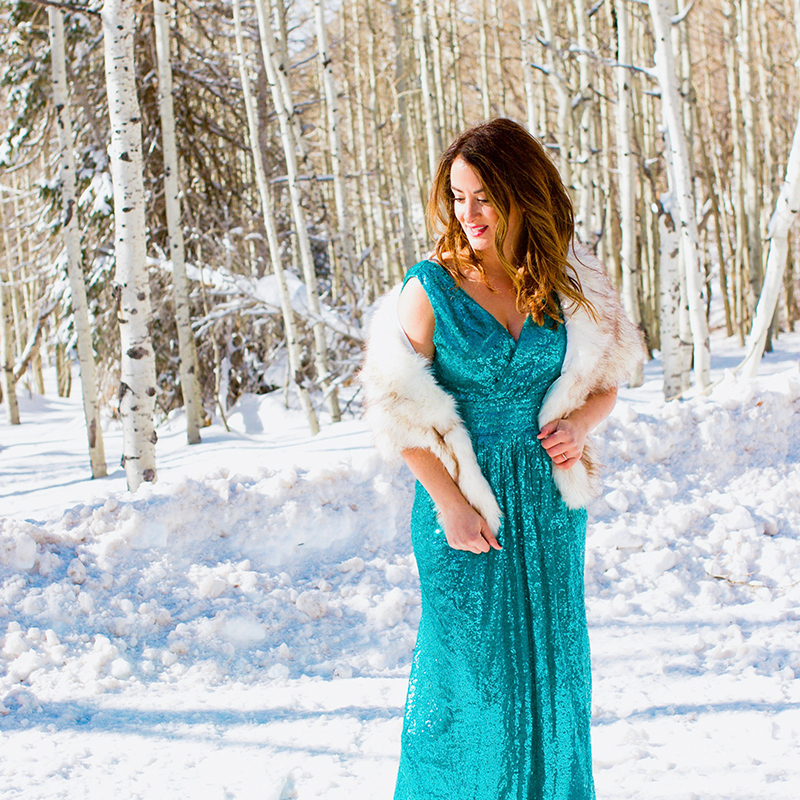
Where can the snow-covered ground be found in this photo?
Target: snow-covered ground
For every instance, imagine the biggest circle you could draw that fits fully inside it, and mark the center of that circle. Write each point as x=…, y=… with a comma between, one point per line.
x=243, y=628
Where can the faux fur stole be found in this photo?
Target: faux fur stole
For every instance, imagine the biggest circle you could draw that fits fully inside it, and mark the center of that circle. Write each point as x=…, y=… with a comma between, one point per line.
x=406, y=408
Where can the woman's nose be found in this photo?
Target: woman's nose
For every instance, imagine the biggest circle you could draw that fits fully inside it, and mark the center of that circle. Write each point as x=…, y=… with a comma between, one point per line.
x=471, y=210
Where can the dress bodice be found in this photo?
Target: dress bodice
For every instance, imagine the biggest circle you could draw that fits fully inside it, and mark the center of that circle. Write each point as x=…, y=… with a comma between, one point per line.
x=498, y=382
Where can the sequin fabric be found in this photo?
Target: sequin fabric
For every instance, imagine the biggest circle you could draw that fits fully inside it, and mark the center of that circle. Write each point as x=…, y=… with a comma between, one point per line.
x=498, y=704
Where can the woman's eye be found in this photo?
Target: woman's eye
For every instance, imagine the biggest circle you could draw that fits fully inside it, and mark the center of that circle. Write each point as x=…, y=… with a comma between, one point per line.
x=458, y=199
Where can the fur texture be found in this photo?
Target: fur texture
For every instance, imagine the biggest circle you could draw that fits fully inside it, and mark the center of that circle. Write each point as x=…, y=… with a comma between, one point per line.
x=406, y=408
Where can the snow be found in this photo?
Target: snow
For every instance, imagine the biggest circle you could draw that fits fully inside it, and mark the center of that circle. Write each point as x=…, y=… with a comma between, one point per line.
x=243, y=628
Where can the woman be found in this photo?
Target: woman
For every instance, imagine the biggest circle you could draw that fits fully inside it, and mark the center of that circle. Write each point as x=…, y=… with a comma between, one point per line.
x=486, y=370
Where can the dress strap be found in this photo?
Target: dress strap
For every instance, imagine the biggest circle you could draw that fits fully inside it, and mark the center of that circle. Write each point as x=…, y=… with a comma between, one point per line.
x=438, y=285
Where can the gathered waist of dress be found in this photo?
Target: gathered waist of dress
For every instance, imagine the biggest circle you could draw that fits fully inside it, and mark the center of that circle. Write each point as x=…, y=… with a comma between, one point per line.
x=496, y=419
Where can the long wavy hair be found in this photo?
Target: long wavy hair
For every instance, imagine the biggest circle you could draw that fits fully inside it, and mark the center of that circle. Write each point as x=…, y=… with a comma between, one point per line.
x=514, y=169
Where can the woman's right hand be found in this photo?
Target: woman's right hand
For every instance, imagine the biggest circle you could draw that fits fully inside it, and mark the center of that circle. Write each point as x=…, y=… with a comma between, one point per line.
x=466, y=529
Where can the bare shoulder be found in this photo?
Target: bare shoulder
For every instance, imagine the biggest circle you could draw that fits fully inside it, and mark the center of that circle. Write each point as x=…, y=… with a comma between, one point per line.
x=415, y=313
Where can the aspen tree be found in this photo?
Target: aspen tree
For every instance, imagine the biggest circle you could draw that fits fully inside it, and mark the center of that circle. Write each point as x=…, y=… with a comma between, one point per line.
x=188, y=354
x=627, y=185
x=400, y=153
x=72, y=245
x=137, y=362
x=436, y=57
x=268, y=213
x=500, y=89
x=527, y=67
x=7, y=385
x=585, y=106
x=716, y=192
x=289, y=142
x=741, y=253
x=483, y=55
x=670, y=102
x=752, y=170
x=363, y=230
x=672, y=364
x=455, y=45
x=389, y=268
x=780, y=224
x=560, y=89
x=344, y=231
x=429, y=110
x=30, y=290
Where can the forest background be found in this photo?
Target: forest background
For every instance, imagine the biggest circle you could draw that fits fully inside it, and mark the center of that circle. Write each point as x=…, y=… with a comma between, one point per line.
x=202, y=199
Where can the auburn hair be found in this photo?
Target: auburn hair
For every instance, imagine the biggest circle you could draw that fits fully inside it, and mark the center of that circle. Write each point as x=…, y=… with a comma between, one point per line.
x=514, y=168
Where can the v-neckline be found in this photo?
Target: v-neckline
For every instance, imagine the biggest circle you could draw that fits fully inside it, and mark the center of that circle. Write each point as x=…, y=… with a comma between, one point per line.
x=486, y=311
x=493, y=317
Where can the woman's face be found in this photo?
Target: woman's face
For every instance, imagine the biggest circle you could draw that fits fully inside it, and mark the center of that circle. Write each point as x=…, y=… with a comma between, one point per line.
x=476, y=216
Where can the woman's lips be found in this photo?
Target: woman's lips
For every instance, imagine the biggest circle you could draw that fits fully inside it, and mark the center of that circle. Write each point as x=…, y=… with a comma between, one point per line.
x=477, y=231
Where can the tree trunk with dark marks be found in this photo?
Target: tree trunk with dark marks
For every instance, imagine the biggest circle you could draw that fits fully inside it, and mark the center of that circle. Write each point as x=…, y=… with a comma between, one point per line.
x=72, y=245
x=186, y=347
x=137, y=362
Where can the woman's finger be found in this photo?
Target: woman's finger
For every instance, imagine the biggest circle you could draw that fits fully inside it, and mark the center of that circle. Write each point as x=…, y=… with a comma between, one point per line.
x=490, y=539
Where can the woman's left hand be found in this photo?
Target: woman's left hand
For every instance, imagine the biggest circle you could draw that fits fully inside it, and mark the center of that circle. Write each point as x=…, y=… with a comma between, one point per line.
x=563, y=439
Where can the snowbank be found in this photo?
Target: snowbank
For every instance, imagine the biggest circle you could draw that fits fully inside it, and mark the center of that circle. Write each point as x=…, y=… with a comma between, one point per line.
x=248, y=634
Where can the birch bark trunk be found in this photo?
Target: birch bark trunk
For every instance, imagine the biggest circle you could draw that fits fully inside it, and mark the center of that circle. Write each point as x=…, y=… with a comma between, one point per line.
x=559, y=85
x=436, y=57
x=784, y=215
x=290, y=328
x=752, y=171
x=344, y=229
x=455, y=42
x=72, y=245
x=186, y=348
x=282, y=109
x=401, y=155
x=428, y=97
x=671, y=105
x=137, y=362
x=483, y=55
x=741, y=258
x=7, y=384
x=627, y=184
x=671, y=358
x=527, y=67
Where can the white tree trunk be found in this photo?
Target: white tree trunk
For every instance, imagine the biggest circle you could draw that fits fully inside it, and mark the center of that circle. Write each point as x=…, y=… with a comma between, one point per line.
x=753, y=189
x=436, y=57
x=456, y=46
x=290, y=328
x=344, y=230
x=671, y=357
x=7, y=384
x=279, y=100
x=137, y=362
x=559, y=86
x=186, y=347
x=527, y=67
x=72, y=244
x=784, y=215
x=428, y=97
x=676, y=141
x=627, y=183
x=483, y=55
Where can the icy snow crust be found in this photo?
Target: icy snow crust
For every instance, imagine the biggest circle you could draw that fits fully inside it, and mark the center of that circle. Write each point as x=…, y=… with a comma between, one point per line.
x=248, y=634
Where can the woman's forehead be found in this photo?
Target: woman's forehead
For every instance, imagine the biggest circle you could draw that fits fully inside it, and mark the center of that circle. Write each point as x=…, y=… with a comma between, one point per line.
x=464, y=177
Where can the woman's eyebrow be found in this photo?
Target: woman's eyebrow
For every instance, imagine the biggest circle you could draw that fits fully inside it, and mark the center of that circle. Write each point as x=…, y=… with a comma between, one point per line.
x=481, y=190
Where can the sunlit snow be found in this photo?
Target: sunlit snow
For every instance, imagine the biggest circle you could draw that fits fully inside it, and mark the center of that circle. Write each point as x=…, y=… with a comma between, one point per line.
x=243, y=628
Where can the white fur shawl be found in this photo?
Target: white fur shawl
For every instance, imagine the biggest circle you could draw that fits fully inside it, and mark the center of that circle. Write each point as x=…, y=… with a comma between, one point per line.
x=406, y=408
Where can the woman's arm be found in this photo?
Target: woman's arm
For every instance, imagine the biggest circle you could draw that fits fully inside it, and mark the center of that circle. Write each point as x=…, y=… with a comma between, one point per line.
x=464, y=527
x=566, y=437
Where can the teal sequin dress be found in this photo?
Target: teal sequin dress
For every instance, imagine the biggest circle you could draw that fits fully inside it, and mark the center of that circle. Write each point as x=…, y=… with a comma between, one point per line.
x=498, y=704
